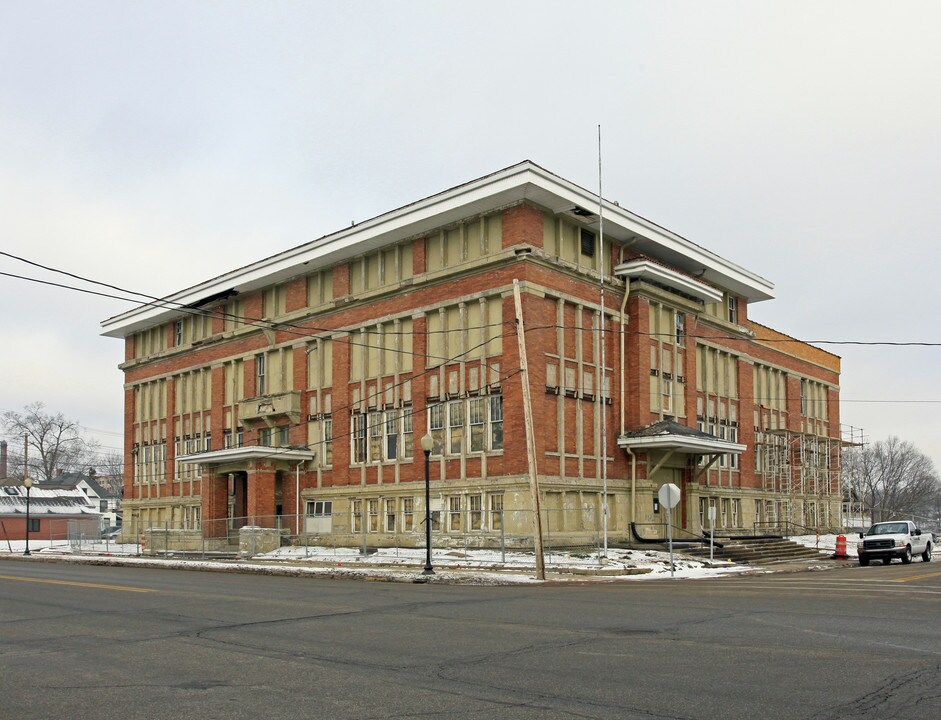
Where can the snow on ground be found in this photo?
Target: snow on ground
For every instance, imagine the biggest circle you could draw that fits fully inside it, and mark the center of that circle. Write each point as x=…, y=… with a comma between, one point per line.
x=405, y=564
x=828, y=542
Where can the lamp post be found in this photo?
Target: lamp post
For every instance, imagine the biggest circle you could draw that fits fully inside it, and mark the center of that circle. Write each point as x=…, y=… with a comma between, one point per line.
x=426, y=444
x=27, y=484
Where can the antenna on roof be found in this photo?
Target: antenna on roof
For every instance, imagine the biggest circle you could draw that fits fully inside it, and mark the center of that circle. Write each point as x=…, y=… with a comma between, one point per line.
x=604, y=368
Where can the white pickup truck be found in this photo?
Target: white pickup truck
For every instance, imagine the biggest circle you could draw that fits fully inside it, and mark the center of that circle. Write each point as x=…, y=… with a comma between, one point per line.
x=896, y=539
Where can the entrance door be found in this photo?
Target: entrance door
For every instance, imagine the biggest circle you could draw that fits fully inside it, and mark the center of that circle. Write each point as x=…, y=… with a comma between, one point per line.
x=238, y=499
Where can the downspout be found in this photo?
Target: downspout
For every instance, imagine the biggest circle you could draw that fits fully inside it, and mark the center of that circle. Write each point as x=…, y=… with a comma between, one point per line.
x=297, y=497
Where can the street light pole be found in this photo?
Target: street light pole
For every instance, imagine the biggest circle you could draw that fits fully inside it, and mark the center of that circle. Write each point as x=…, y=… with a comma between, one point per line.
x=426, y=444
x=28, y=484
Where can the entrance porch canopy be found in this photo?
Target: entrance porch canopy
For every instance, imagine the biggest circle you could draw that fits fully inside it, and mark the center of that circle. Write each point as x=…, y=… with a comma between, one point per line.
x=247, y=454
x=671, y=437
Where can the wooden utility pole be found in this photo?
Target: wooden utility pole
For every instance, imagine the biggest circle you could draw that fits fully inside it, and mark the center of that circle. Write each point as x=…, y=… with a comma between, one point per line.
x=530, y=435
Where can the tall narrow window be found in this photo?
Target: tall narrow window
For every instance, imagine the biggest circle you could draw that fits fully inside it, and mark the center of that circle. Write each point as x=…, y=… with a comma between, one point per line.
x=392, y=435
x=260, y=377
x=356, y=507
x=680, y=324
x=476, y=512
x=390, y=515
x=454, y=513
x=456, y=426
x=178, y=333
x=436, y=424
x=359, y=438
x=408, y=514
x=733, y=309
x=373, y=515
x=476, y=421
x=496, y=512
x=375, y=436
x=328, y=441
x=496, y=422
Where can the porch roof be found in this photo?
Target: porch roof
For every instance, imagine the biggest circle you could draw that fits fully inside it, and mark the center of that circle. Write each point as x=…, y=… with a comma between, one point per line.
x=250, y=452
x=671, y=435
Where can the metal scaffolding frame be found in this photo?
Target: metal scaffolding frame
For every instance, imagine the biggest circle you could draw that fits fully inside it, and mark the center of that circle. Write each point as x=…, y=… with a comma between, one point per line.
x=804, y=470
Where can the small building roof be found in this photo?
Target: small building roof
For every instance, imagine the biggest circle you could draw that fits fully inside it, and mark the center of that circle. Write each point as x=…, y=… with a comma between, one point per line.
x=43, y=501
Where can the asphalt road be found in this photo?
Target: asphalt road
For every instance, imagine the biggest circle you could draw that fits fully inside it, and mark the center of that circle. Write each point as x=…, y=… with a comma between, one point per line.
x=113, y=642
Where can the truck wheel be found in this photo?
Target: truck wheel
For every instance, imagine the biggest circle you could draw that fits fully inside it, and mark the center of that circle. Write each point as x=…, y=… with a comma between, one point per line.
x=887, y=561
x=926, y=555
x=907, y=557
x=864, y=561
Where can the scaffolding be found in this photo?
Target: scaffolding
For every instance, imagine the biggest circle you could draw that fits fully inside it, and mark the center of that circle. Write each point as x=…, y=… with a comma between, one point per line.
x=803, y=472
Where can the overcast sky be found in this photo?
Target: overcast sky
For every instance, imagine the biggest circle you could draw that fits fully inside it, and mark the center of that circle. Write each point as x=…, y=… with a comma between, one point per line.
x=155, y=144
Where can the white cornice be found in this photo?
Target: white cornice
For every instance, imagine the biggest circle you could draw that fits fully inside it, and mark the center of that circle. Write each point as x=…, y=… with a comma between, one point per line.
x=525, y=181
x=646, y=270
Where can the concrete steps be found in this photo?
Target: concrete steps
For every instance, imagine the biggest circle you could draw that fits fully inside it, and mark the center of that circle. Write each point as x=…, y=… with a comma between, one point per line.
x=759, y=551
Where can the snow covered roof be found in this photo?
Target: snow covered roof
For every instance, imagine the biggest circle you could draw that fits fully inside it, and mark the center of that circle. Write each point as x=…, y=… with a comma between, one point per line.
x=44, y=501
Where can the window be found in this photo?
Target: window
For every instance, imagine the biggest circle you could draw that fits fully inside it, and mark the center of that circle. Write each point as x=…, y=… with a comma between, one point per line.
x=359, y=438
x=102, y=506
x=260, y=386
x=239, y=437
x=373, y=506
x=587, y=242
x=178, y=333
x=392, y=435
x=454, y=514
x=284, y=436
x=456, y=427
x=496, y=512
x=680, y=326
x=732, y=309
x=356, y=507
x=320, y=508
x=33, y=525
x=407, y=432
x=476, y=422
x=476, y=512
x=408, y=514
x=264, y=437
x=390, y=515
x=328, y=441
x=483, y=416
x=496, y=422
x=375, y=436
x=436, y=424
x=803, y=396
x=226, y=439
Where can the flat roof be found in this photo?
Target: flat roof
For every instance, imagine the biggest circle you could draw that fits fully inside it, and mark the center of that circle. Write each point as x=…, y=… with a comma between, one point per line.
x=523, y=181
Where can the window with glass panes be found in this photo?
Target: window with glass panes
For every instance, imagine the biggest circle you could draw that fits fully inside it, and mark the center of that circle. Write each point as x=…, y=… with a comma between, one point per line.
x=475, y=512
x=496, y=512
x=454, y=513
x=471, y=425
x=408, y=514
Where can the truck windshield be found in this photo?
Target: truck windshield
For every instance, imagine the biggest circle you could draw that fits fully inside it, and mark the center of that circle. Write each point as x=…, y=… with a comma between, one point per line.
x=888, y=529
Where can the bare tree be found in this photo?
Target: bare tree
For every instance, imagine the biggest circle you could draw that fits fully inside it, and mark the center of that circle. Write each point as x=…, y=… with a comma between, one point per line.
x=110, y=468
x=893, y=478
x=55, y=443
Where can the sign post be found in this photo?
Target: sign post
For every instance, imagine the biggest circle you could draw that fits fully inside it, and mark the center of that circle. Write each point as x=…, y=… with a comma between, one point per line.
x=712, y=529
x=669, y=496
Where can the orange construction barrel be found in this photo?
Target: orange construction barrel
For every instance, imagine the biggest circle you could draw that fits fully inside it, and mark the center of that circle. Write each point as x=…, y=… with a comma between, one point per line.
x=840, y=547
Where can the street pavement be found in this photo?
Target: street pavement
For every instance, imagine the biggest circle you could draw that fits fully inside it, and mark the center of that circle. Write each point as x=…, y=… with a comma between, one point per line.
x=81, y=641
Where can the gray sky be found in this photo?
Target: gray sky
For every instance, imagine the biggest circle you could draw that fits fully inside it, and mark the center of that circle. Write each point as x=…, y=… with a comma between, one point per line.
x=155, y=144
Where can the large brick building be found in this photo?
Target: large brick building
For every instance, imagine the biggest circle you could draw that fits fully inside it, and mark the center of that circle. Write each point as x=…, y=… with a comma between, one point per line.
x=299, y=386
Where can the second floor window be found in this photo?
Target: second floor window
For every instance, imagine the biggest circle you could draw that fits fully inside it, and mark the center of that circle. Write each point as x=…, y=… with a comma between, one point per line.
x=260, y=386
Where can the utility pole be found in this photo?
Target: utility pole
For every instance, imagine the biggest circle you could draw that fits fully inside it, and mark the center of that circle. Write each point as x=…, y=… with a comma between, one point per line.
x=530, y=435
